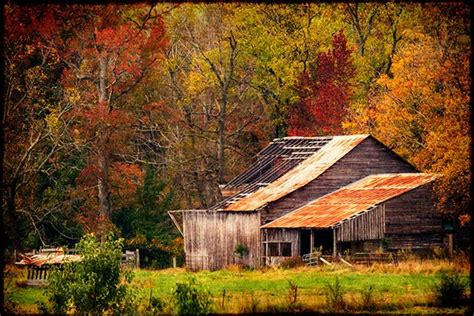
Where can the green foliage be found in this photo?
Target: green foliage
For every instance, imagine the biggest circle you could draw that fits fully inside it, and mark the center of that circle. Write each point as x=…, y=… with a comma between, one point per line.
x=241, y=250
x=191, y=298
x=96, y=284
x=147, y=226
x=450, y=289
x=368, y=300
x=335, y=296
x=292, y=292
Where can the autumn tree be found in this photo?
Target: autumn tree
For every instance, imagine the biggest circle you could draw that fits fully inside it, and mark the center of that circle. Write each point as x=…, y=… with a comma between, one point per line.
x=324, y=92
x=35, y=120
x=422, y=110
x=106, y=59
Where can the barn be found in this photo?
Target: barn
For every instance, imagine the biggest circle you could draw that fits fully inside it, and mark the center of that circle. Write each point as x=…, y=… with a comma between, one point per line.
x=340, y=193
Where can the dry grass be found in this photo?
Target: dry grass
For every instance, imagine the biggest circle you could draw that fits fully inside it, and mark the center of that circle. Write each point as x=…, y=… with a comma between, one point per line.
x=388, y=288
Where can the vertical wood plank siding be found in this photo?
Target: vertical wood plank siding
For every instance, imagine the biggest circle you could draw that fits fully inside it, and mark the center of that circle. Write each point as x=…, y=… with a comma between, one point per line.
x=283, y=235
x=411, y=220
x=210, y=238
x=367, y=226
x=369, y=157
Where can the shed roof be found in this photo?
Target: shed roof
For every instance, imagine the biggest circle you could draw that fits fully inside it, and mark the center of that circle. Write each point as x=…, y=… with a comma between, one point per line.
x=351, y=200
x=303, y=173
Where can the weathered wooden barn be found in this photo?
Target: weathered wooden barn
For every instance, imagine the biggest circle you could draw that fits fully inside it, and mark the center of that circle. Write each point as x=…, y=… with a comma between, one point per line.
x=338, y=193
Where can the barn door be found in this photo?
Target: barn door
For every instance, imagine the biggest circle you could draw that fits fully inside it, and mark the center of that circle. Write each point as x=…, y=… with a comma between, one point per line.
x=305, y=241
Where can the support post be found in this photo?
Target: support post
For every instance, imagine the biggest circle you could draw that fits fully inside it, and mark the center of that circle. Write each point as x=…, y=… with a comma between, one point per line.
x=450, y=245
x=334, y=250
x=137, y=258
x=311, y=242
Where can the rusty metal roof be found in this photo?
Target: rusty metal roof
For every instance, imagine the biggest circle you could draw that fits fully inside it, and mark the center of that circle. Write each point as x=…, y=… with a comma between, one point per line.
x=273, y=161
x=308, y=170
x=358, y=197
x=48, y=259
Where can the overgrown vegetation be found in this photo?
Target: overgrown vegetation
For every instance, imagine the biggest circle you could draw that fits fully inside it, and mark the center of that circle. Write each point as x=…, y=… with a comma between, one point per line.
x=335, y=296
x=191, y=298
x=96, y=284
x=406, y=287
x=450, y=290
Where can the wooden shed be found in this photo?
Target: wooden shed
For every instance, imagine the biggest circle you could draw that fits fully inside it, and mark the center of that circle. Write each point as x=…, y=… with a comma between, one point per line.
x=288, y=178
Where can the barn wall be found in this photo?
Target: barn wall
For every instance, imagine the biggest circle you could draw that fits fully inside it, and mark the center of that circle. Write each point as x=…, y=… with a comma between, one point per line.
x=210, y=238
x=411, y=220
x=367, y=226
x=369, y=157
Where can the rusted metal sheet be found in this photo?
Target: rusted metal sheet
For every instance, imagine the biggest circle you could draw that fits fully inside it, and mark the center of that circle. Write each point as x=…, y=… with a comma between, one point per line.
x=302, y=174
x=351, y=200
x=279, y=157
x=47, y=259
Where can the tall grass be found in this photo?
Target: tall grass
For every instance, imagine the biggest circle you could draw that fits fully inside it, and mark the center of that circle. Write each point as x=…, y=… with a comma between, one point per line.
x=407, y=286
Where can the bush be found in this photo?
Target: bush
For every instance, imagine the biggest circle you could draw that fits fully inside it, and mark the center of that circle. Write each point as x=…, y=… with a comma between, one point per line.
x=241, y=250
x=292, y=262
x=450, y=290
x=94, y=285
x=191, y=298
x=335, y=297
x=368, y=301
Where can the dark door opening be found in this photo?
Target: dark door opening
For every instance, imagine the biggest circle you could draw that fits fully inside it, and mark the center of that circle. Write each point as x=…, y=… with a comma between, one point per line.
x=323, y=238
x=305, y=242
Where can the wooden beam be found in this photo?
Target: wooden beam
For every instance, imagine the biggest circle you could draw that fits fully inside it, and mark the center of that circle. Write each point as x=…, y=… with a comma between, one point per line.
x=170, y=213
x=334, y=250
x=325, y=261
x=345, y=262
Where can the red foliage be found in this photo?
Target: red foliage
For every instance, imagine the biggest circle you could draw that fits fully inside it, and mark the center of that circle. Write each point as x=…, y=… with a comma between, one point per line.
x=324, y=93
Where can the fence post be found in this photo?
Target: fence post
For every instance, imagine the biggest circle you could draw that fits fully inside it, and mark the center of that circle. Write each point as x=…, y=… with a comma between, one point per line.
x=137, y=258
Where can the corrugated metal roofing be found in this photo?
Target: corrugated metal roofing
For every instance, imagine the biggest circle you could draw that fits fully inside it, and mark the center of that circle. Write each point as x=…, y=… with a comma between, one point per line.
x=273, y=161
x=48, y=259
x=351, y=200
x=299, y=176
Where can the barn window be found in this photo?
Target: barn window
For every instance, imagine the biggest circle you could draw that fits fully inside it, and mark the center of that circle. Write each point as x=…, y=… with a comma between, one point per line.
x=273, y=249
x=285, y=249
x=279, y=249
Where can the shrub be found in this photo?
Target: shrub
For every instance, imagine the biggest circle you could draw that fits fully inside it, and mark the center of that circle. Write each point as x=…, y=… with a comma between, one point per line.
x=94, y=285
x=191, y=298
x=450, y=290
x=335, y=296
x=292, y=262
x=292, y=292
x=241, y=250
x=368, y=300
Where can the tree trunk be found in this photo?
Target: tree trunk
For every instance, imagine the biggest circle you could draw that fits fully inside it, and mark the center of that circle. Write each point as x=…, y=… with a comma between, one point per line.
x=12, y=223
x=221, y=138
x=103, y=157
x=103, y=186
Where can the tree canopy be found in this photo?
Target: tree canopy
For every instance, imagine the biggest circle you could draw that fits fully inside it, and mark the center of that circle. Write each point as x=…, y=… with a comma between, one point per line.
x=114, y=114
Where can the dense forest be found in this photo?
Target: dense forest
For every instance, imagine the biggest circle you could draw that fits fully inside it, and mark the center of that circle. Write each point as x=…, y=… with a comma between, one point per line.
x=115, y=114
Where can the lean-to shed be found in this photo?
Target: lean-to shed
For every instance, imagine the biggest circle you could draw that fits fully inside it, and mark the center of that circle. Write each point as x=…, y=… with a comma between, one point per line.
x=288, y=175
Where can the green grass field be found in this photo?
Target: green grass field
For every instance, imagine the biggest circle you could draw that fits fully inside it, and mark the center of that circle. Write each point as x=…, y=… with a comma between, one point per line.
x=403, y=288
